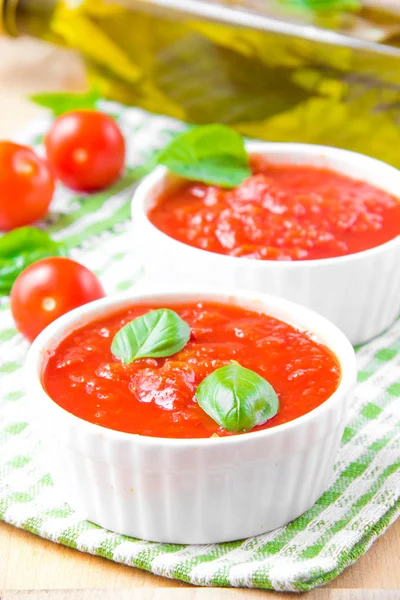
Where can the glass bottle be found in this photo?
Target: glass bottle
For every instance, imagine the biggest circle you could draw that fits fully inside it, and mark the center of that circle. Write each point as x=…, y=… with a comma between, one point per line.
x=329, y=78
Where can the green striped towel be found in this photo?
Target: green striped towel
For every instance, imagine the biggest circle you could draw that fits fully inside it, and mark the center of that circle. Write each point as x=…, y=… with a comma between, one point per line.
x=364, y=494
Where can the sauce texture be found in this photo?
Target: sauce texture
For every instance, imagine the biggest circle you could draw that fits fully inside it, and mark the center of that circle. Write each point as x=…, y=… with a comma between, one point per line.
x=156, y=397
x=282, y=212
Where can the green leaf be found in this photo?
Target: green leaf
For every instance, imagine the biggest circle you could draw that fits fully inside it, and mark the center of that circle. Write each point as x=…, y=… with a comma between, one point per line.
x=156, y=334
x=214, y=154
x=236, y=398
x=61, y=102
x=19, y=249
x=324, y=5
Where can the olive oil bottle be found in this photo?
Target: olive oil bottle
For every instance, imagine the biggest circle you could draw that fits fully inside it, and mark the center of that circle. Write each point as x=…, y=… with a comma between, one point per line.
x=329, y=77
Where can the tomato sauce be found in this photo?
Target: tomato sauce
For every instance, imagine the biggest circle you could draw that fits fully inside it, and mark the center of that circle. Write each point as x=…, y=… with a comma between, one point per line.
x=156, y=397
x=282, y=212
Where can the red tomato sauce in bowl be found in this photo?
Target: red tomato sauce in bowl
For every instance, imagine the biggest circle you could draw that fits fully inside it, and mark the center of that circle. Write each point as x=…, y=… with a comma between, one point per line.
x=156, y=397
x=282, y=212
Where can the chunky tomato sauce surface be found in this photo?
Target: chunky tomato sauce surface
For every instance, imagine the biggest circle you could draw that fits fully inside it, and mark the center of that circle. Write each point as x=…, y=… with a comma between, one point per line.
x=156, y=397
x=282, y=212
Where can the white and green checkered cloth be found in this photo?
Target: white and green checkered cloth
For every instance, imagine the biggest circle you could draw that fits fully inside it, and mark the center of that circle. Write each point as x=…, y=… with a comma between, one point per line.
x=364, y=494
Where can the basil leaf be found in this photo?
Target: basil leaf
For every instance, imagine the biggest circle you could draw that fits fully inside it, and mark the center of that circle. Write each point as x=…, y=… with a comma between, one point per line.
x=156, y=334
x=19, y=249
x=325, y=5
x=61, y=102
x=236, y=398
x=214, y=154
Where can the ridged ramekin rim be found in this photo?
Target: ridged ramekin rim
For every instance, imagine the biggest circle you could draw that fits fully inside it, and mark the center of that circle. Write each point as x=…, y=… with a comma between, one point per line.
x=35, y=359
x=262, y=148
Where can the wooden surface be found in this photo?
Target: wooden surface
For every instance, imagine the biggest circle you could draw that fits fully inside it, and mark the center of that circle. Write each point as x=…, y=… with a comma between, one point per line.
x=28, y=66
x=32, y=568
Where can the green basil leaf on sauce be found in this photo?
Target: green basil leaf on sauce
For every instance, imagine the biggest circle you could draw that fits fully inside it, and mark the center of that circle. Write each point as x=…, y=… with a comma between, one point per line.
x=61, y=102
x=213, y=154
x=156, y=334
x=236, y=398
x=22, y=247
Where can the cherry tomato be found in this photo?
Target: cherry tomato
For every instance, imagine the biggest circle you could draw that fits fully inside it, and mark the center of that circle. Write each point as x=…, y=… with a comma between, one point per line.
x=48, y=289
x=86, y=150
x=26, y=186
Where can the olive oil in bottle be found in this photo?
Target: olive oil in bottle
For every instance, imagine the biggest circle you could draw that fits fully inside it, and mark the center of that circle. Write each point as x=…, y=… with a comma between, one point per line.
x=329, y=78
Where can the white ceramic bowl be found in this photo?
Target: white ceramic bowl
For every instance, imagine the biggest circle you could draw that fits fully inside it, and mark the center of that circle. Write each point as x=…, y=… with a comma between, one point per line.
x=360, y=292
x=192, y=490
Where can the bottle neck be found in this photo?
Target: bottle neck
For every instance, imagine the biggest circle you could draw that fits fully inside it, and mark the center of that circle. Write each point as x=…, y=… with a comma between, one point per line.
x=26, y=17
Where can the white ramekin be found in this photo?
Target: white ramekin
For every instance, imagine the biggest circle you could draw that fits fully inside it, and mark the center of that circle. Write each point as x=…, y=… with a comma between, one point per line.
x=192, y=490
x=360, y=292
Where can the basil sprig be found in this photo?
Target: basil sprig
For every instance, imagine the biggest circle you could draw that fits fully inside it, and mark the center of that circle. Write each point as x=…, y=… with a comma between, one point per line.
x=22, y=247
x=61, y=102
x=156, y=334
x=213, y=154
x=236, y=398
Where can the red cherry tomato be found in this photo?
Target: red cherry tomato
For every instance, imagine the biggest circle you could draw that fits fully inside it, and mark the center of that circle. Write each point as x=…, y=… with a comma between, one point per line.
x=26, y=186
x=48, y=289
x=86, y=150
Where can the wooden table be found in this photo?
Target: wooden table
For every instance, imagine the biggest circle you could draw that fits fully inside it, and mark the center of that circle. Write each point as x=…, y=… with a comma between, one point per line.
x=58, y=573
